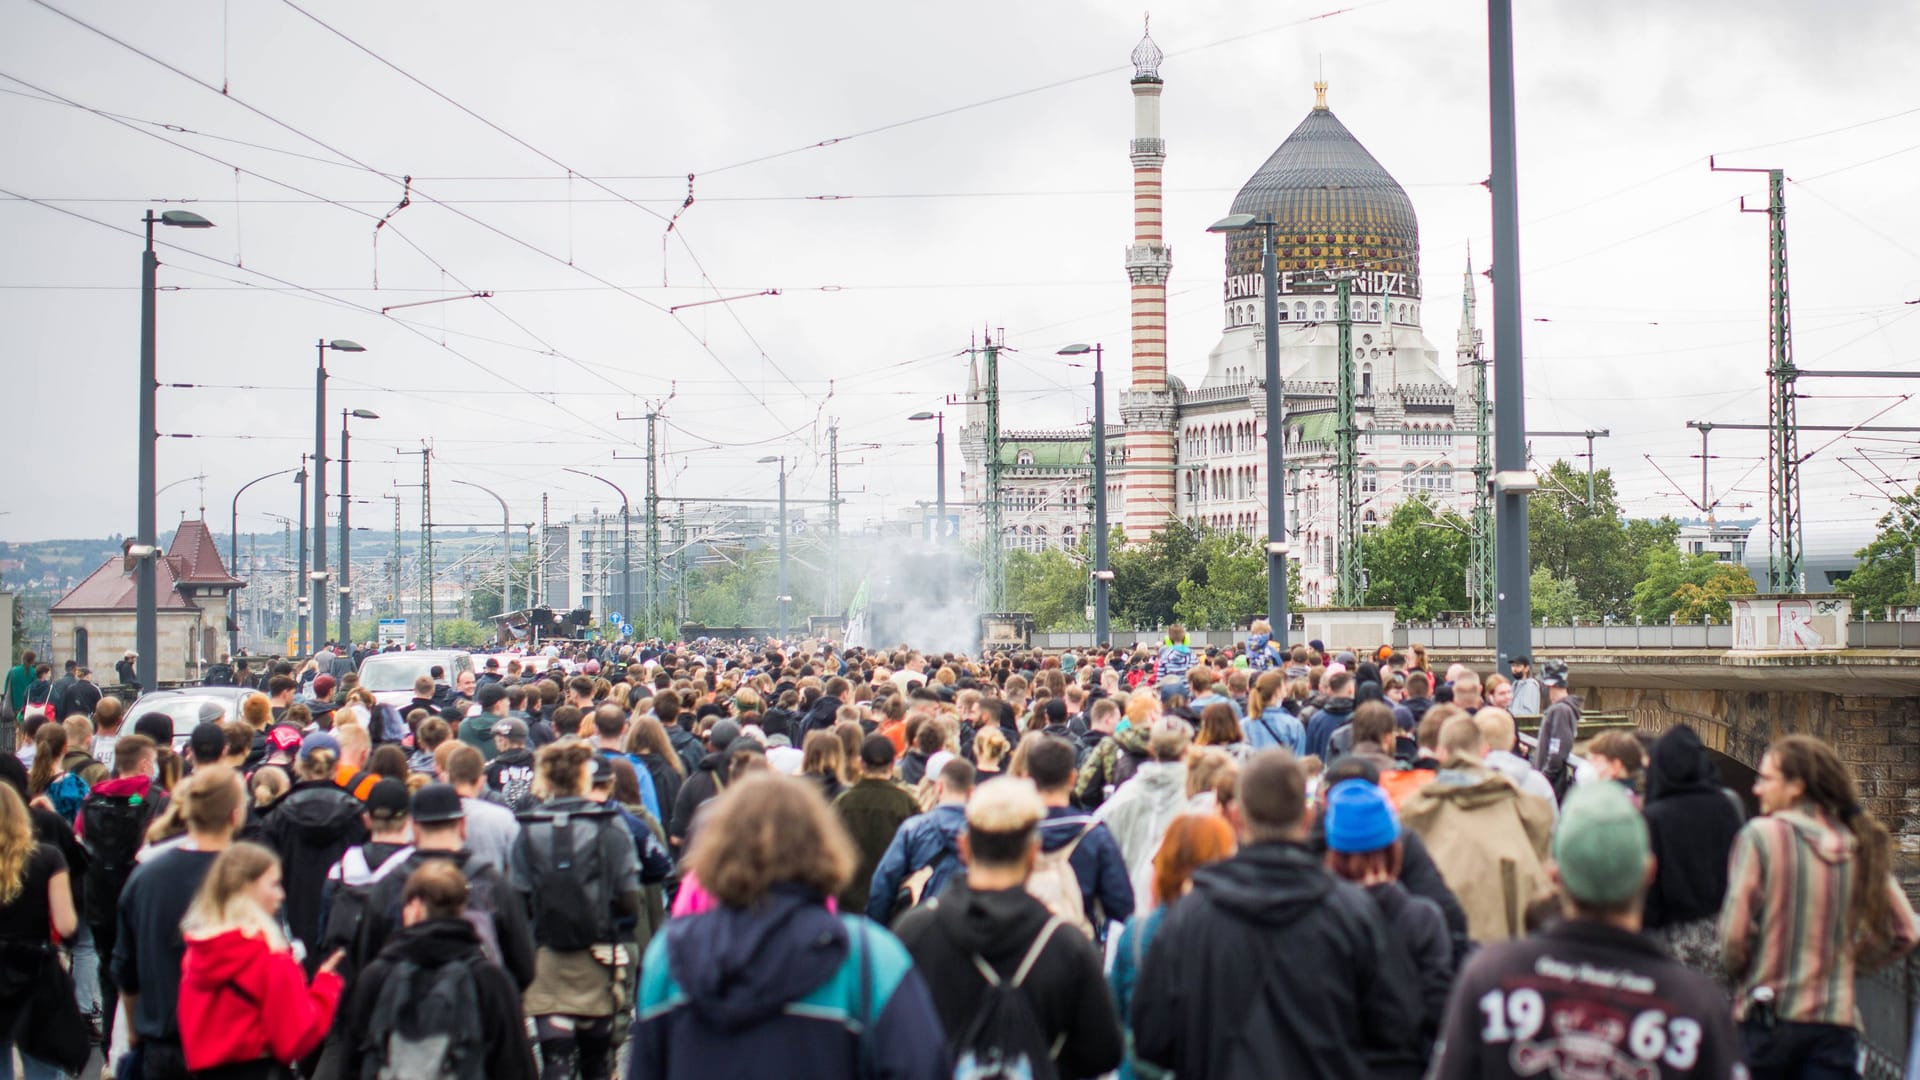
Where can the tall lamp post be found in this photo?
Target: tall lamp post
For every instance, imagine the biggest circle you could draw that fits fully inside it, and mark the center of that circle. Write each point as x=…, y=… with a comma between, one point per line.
x=146, y=581
x=1102, y=577
x=1276, y=423
x=300, y=600
x=506, y=548
x=939, y=470
x=233, y=560
x=626, y=542
x=782, y=599
x=318, y=577
x=346, y=564
x=1512, y=482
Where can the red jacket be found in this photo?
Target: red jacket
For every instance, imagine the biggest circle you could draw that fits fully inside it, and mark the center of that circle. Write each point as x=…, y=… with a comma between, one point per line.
x=241, y=1000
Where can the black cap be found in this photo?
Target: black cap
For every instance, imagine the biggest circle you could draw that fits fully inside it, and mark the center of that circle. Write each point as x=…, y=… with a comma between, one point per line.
x=490, y=695
x=157, y=726
x=208, y=742
x=437, y=803
x=389, y=800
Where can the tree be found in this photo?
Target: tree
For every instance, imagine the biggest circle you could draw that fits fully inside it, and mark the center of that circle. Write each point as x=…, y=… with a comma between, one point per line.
x=1886, y=574
x=1198, y=574
x=1050, y=585
x=1688, y=587
x=1555, y=599
x=465, y=632
x=1417, y=562
x=1228, y=584
x=1588, y=543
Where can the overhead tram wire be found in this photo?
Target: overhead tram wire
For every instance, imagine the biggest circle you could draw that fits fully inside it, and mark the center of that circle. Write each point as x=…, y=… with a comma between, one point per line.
x=343, y=155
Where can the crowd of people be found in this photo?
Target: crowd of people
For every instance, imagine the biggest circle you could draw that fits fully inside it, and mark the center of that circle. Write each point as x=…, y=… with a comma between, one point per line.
x=707, y=859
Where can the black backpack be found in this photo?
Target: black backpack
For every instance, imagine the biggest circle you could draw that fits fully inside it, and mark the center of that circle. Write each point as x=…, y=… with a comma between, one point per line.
x=116, y=827
x=351, y=899
x=425, y=1025
x=218, y=675
x=572, y=910
x=1004, y=1040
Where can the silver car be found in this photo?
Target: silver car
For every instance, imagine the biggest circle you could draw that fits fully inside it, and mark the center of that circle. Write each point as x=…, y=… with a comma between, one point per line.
x=390, y=676
x=183, y=707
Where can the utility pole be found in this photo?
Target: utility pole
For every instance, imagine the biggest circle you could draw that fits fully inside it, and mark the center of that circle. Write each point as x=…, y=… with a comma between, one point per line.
x=1481, y=564
x=994, y=557
x=301, y=600
x=1705, y=428
x=1512, y=589
x=833, y=517
x=1785, y=552
x=653, y=526
x=426, y=537
x=393, y=600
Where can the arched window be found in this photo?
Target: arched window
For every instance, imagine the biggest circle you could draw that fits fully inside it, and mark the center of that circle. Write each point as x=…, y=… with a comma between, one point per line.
x=1025, y=457
x=1366, y=380
x=1403, y=314
x=1319, y=310
x=1369, y=479
x=1300, y=310
x=1445, y=478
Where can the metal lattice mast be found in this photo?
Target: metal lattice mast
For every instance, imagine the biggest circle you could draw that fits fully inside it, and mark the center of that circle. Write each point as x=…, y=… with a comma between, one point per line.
x=994, y=557
x=1482, y=567
x=1347, y=588
x=426, y=536
x=833, y=517
x=653, y=526
x=1783, y=441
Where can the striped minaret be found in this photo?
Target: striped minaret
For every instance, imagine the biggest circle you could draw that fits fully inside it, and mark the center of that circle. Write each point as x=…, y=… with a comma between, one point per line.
x=1148, y=406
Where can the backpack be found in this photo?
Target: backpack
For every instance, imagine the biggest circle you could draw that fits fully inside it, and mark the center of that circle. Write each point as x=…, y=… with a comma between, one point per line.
x=218, y=675
x=1054, y=884
x=485, y=894
x=68, y=794
x=346, y=913
x=1004, y=1040
x=116, y=826
x=571, y=908
x=424, y=1025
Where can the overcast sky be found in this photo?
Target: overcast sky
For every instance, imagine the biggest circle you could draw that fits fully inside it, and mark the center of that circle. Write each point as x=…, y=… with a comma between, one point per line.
x=1645, y=289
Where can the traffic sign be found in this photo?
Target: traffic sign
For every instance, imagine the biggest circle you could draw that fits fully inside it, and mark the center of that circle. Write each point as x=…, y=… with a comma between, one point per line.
x=626, y=629
x=615, y=618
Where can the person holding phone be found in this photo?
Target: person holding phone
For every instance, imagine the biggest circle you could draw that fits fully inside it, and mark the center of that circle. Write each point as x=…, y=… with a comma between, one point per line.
x=246, y=1006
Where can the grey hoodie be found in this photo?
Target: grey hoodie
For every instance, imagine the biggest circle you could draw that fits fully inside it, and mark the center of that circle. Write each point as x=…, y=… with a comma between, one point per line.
x=1141, y=809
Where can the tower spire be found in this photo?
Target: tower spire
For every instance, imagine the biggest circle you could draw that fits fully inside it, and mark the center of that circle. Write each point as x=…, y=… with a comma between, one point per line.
x=1149, y=405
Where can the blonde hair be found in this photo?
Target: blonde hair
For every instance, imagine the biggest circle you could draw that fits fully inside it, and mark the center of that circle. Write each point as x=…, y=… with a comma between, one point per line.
x=17, y=844
x=269, y=783
x=990, y=743
x=224, y=901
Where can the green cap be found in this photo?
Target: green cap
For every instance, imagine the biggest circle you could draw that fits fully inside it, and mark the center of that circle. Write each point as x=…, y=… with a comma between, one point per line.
x=1601, y=844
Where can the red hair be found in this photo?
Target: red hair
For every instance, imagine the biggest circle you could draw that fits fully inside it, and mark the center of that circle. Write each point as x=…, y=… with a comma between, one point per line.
x=1192, y=841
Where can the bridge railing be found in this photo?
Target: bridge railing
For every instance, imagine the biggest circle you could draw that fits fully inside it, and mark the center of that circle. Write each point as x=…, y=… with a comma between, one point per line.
x=1860, y=635
x=1887, y=1000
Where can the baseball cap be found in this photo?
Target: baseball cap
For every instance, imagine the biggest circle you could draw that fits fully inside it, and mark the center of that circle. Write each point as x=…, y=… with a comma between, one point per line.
x=318, y=741
x=323, y=686
x=1601, y=844
x=437, y=802
x=389, y=800
x=1359, y=818
x=208, y=741
x=283, y=738
x=509, y=728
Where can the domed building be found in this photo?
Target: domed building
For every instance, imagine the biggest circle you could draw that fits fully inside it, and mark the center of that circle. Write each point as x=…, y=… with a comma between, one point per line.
x=1198, y=452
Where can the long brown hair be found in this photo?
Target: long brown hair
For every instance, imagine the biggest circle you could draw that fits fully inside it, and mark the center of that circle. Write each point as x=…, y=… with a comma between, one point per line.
x=49, y=746
x=649, y=736
x=1831, y=788
x=17, y=844
x=1268, y=690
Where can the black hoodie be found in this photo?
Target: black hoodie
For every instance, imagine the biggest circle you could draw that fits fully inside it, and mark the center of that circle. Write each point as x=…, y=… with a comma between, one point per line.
x=1691, y=821
x=310, y=828
x=703, y=783
x=434, y=944
x=1300, y=957
x=1065, y=987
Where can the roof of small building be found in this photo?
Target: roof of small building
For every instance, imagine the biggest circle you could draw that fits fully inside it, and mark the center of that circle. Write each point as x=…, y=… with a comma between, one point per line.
x=111, y=588
x=194, y=546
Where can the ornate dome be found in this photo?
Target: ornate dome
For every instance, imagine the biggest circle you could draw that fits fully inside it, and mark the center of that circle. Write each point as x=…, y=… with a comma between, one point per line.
x=1334, y=204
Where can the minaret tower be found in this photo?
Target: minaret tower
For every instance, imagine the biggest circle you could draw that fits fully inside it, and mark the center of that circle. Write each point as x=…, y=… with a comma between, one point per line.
x=1148, y=406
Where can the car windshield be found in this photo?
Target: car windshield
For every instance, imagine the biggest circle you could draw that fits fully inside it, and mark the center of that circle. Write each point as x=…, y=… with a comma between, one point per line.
x=184, y=709
x=397, y=671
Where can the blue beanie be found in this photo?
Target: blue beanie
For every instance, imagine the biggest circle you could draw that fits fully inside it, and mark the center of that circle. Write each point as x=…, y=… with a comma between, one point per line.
x=1359, y=818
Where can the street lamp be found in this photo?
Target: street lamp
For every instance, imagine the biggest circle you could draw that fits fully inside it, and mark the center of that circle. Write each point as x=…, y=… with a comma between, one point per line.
x=319, y=601
x=626, y=544
x=1102, y=577
x=146, y=631
x=506, y=549
x=1276, y=423
x=782, y=599
x=346, y=565
x=233, y=560
x=940, y=469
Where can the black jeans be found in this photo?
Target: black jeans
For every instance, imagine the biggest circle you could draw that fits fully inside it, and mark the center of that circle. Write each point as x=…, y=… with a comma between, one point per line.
x=1790, y=1051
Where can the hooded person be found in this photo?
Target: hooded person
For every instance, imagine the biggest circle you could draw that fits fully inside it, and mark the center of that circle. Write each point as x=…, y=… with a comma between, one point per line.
x=310, y=828
x=1141, y=809
x=706, y=780
x=1691, y=823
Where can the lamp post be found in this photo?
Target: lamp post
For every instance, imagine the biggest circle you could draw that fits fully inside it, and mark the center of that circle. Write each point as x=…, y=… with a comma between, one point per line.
x=346, y=564
x=300, y=601
x=1513, y=603
x=939, y=470
x=626, y=542
x=233, y=560
x=319, y=575
x=1102, y=577
x=506, y=548
x=782, y=598
x=1276, y=423
x=146, y=581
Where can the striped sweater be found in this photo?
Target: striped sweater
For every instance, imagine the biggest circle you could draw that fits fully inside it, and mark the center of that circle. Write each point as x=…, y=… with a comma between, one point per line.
x=1784, y=922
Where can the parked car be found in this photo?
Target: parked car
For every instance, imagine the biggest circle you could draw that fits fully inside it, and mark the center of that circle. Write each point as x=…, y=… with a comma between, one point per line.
x=390, y=676
x=183, y=707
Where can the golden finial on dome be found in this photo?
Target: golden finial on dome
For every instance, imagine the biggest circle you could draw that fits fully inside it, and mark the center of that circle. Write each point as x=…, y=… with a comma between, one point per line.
x=1320, y=94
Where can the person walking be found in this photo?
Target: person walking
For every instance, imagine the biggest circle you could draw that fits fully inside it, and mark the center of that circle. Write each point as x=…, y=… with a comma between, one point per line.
x=1140, y=809
x=1559, y=727
x=1015, y=987
x=36, y=906
x=1691, y=824
x=1271, y=937
x=1099, y=868
x=1192, y=841
x=1811, y=900
x=1589, y=995
x=310, y=828
x=872, y=810
x=769, y=981
x=247, y=1010
x=928, y=842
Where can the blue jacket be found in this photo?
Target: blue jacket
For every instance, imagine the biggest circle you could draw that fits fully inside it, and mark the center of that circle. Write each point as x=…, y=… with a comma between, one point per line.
x=1325, y=723
x=1097, y=862
x=785, y=989
x=1200, y=703
x=1275, y=727
x=929, y=839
